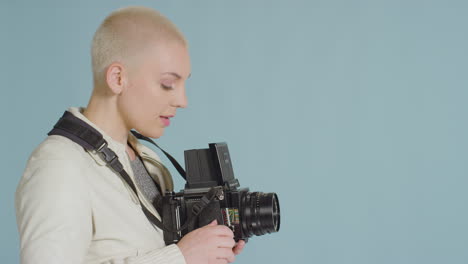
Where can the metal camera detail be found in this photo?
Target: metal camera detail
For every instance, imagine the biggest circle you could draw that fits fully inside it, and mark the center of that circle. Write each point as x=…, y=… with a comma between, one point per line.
x=212, y=192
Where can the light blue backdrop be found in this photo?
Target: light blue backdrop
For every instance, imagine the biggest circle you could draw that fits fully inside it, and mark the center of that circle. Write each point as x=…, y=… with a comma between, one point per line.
x=354, y=112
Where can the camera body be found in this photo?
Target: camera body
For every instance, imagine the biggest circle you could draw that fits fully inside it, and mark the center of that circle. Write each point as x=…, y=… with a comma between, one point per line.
x=212, y=192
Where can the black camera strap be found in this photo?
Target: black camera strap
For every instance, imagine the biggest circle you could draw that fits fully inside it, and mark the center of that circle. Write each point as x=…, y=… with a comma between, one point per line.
x=90, y=139
x=173, y=161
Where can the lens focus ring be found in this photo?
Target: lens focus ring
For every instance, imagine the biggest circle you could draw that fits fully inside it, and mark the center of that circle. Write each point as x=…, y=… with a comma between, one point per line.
x=260, y=213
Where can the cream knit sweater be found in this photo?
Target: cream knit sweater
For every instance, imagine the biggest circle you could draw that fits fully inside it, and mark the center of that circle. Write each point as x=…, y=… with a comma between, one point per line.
x=71, y=208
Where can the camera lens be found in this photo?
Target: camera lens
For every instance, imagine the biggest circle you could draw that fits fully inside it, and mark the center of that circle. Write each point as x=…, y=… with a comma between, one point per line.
x=260, y=213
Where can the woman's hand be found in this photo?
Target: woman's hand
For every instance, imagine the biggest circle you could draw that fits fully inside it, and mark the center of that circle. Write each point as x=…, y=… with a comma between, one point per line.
x=212, y=244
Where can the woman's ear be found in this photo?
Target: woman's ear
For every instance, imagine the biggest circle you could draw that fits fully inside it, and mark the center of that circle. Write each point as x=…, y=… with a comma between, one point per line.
x=115, y=77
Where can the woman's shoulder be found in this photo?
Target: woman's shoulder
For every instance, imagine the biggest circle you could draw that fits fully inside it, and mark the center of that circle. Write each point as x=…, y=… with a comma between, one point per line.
x=56, y=147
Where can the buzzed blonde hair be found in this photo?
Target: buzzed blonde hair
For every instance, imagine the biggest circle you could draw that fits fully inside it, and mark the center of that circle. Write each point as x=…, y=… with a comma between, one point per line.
x=125, y=34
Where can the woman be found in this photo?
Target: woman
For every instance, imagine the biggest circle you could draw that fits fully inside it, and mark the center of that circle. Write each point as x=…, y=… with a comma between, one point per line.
x=71, y=207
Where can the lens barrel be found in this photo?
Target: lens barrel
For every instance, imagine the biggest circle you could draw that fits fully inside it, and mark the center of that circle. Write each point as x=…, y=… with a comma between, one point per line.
x=260, y=213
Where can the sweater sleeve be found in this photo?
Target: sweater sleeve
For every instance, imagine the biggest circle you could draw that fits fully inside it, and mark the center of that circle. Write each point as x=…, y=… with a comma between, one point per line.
x=53, y=212
x=168, y=255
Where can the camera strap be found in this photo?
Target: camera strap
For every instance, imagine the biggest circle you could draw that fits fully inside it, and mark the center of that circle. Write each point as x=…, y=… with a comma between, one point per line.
x=90, y=139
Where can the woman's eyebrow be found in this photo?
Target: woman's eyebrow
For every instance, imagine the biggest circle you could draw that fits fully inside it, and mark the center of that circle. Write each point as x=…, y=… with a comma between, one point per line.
x=176, y=75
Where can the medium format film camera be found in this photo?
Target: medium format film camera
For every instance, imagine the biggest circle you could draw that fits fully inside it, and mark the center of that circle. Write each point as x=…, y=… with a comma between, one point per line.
x=212, y=192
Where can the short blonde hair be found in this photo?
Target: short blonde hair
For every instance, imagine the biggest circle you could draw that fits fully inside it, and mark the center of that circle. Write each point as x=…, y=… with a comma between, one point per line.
x=125, y=34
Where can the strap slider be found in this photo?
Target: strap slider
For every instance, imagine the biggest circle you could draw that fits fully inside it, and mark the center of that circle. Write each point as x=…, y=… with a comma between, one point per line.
x=197, y=208
x=202, y=204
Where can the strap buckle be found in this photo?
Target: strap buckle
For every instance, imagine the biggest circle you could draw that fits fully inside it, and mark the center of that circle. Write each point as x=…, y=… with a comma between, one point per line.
x=107, y=154
x=110, y=157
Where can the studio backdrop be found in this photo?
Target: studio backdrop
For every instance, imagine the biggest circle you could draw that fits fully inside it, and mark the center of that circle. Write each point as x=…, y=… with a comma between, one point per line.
x=354, y=112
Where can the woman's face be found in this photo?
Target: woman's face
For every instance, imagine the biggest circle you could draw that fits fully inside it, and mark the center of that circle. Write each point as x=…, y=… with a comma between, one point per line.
x=155, y=89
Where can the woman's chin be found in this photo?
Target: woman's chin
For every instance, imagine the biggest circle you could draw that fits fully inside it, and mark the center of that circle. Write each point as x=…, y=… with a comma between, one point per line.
x=154, y=133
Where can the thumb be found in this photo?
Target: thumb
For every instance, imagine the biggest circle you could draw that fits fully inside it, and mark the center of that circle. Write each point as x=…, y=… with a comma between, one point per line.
x=213, y=223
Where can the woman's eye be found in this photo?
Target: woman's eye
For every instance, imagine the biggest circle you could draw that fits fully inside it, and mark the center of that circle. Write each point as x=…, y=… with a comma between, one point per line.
x=166, y=87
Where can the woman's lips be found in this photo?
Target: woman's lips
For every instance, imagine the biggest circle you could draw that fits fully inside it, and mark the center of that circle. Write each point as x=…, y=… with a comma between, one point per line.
x=165, y=120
